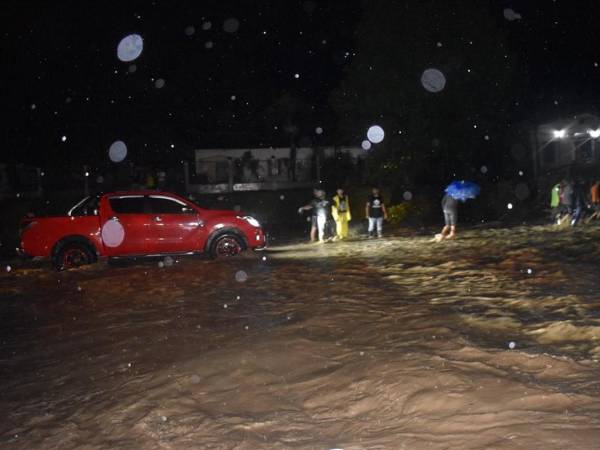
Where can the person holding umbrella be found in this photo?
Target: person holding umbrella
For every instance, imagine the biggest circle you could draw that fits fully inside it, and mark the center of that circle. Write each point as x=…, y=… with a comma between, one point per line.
x=455, y=192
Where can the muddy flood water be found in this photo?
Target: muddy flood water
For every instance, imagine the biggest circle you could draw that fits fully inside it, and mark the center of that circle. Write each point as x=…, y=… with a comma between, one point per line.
x=488, y=342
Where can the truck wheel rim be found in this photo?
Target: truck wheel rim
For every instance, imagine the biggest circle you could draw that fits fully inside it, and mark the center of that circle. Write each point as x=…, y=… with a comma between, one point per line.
x=228, y=246
x=75, y=257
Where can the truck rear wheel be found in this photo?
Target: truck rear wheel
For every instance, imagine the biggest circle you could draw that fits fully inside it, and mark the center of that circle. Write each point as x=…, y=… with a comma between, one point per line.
x=73, y=254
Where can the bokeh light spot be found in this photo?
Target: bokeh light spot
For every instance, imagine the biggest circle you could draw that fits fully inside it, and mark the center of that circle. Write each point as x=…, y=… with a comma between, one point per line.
x=433, y=80
x=130, y=47
x=375, y=134
x=231, y=25
x=113, y=233
x=241, y=276
x=117, y=151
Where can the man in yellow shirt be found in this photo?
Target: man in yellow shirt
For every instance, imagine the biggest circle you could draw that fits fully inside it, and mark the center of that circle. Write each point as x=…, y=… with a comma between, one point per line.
x=340, y=209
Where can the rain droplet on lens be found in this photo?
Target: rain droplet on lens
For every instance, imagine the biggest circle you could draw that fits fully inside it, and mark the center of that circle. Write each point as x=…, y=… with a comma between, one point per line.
x=241, y=276
x=130, y=47
x=231, y=25
x=433, y=80
x=117, y=151
x=375, y=134
x=195, y=379
x=159, y=83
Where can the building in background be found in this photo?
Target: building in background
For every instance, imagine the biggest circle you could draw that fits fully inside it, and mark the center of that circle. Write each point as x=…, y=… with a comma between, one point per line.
x=229, y=170
x=567, y=148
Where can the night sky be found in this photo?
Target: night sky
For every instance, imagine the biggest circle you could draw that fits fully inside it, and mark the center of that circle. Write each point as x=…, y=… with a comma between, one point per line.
x=230, y=88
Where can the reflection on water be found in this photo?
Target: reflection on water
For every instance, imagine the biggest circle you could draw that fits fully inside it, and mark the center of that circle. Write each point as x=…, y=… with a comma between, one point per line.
x=391, y=343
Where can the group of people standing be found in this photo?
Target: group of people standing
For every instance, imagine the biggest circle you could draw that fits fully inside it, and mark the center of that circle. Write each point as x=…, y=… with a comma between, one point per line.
x=570, y=200
x=330, y=217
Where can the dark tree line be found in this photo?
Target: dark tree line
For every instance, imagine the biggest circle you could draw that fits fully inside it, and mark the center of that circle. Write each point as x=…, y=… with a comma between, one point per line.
x=429, y=136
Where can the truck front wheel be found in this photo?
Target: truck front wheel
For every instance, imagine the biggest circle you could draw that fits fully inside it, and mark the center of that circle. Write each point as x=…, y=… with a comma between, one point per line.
x=226, y=245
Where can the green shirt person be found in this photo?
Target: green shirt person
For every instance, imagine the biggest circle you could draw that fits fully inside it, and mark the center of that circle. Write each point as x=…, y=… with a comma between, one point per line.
x=555, y=196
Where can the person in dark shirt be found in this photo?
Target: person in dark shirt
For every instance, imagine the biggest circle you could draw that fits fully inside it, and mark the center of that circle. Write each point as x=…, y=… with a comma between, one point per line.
x=579, y=202
x=450, y=209
x=376, y=213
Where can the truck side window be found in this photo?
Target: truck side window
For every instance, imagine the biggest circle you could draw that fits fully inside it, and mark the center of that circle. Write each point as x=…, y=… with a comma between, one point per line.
x=127, y=205
x=164, y=205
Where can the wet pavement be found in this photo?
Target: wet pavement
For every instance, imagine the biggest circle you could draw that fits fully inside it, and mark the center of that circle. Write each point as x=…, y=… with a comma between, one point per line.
x=490, y=341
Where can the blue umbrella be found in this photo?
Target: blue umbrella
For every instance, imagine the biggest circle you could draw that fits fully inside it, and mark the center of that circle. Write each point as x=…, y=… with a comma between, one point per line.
x=462, y=190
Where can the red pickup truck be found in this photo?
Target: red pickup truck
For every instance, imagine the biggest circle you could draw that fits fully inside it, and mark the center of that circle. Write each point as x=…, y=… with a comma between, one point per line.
x=137, y=223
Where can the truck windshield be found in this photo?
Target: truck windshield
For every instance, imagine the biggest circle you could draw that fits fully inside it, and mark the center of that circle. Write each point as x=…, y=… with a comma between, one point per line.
x=86, y=207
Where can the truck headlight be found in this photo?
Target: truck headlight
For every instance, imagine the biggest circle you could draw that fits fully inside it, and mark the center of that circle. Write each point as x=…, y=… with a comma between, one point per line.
x=252, y=221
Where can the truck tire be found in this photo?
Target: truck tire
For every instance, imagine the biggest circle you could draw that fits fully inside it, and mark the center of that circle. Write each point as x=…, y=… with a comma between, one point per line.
x=226, y=246
x=73, y=254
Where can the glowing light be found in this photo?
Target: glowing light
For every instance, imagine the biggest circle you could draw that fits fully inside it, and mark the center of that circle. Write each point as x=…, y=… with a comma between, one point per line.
x=130, y=47
x=594, y=134
x=63, y=139
x=233, y=97
x=483, y=169
x=559, y=134
x=375, y=134
x=231, y=25
x=509, y=206
x=112, y=233
x=366, y=145
x=511, y=345
x=159, y=83
x=296, y=76
x=433, y=80
x=319, y=130
x=8, y=268
x=407, y=196
x=117, y=151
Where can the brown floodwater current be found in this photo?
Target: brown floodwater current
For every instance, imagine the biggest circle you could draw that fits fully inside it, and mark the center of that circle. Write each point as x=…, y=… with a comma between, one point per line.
x=491, y=341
